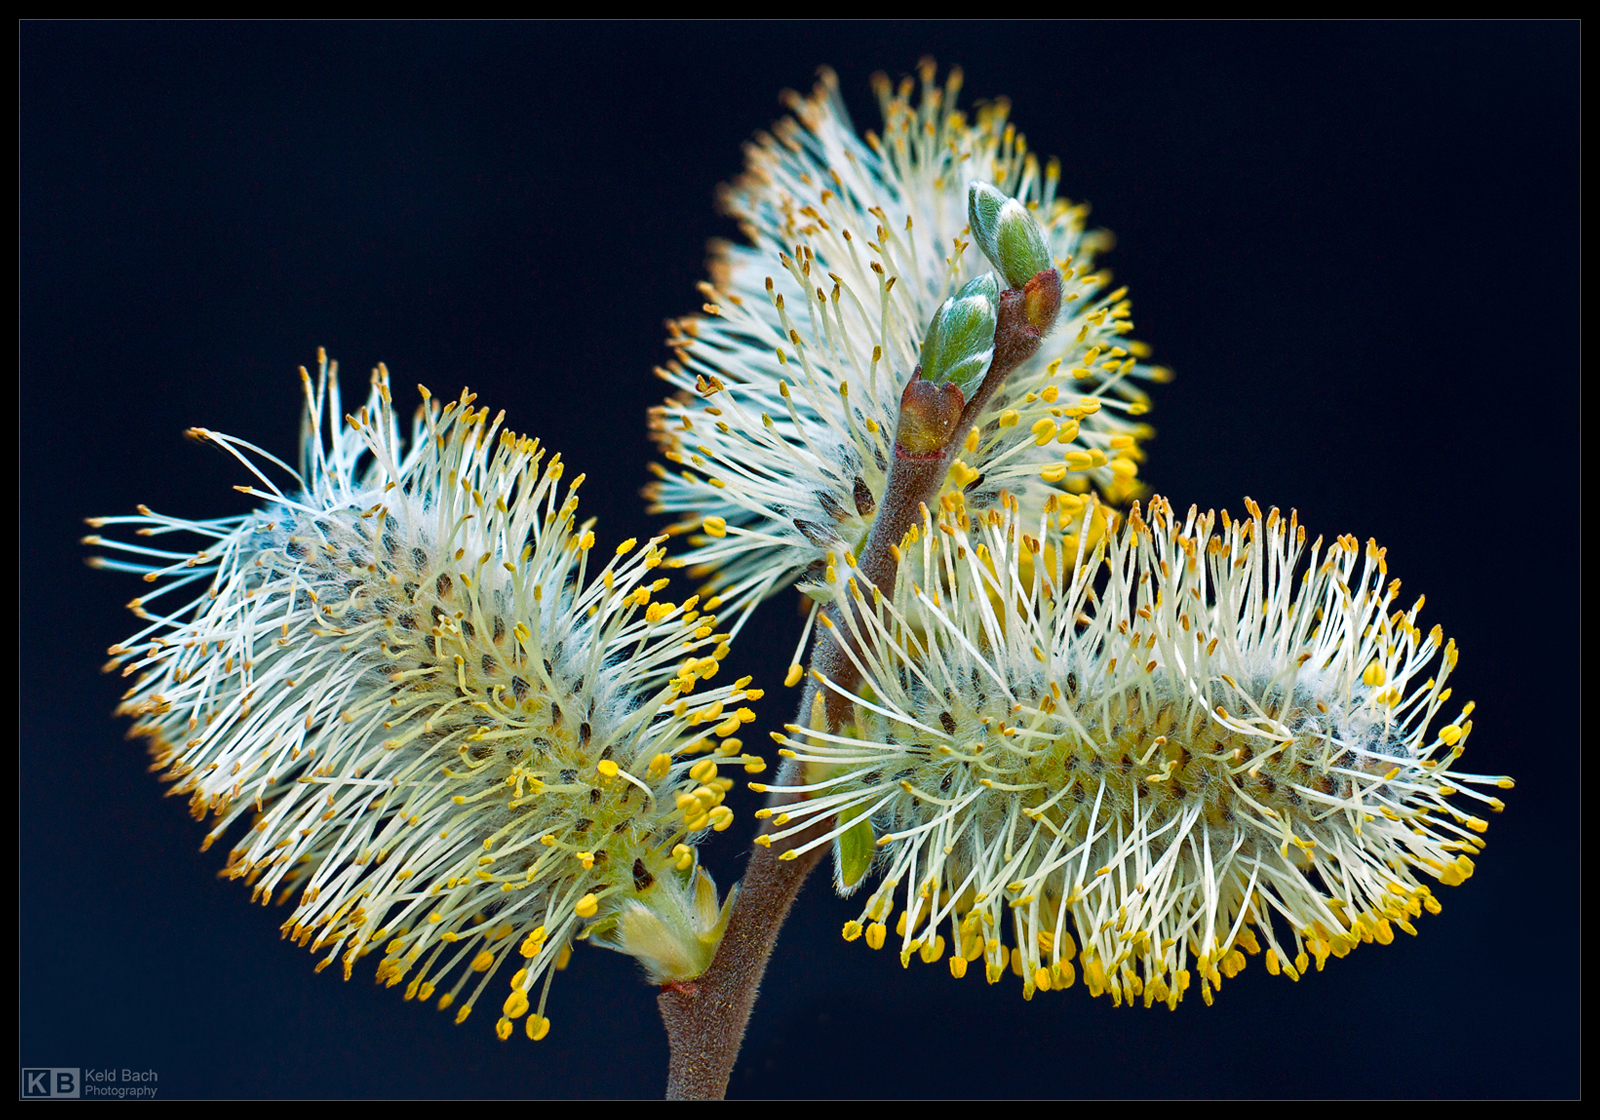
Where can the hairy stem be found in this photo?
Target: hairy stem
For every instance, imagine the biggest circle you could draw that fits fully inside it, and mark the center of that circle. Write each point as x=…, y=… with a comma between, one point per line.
x=706, y=1017
x=930, y=429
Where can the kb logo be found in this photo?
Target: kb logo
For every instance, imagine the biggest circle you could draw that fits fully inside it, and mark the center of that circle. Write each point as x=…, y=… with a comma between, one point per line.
x=39, y=1083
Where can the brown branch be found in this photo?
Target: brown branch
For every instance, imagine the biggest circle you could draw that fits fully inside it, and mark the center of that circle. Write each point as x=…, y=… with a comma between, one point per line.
x=920, y=466
x=706, y=1017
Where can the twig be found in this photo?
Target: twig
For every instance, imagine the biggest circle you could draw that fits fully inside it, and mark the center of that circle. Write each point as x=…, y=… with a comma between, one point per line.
x=706, y=1017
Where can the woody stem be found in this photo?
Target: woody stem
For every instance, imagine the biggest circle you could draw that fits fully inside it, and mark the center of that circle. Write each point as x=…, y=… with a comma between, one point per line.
x=706, y=1018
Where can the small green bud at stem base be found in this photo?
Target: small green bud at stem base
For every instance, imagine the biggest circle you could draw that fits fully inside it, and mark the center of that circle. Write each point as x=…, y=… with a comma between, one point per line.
x=854, y=848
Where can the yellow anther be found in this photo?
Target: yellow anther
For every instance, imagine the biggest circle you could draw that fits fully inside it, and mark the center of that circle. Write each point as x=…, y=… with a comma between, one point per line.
x=607, y=768
x=1043, y=431
x=482, y=961
x=655, y=612
x=538, y=1026
x=1374, y=675
x=587, y=906
x=963, y=475
x=716, y=526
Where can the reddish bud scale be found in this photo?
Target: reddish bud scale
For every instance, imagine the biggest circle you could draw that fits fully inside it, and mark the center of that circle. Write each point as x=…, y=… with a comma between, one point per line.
x=1026, y=315
x=929, y=414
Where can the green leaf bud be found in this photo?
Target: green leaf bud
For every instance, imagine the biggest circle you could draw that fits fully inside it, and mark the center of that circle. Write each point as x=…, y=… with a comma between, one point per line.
x=983, y=215
x=672, y=927
x=960, y=340
x=854, y=849
x=1007, y=234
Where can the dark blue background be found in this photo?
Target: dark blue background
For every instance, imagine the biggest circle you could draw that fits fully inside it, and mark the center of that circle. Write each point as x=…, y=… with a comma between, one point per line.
x=1356, y=245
